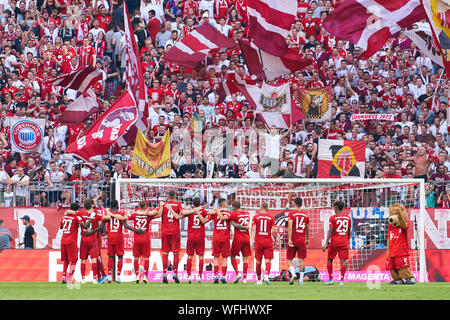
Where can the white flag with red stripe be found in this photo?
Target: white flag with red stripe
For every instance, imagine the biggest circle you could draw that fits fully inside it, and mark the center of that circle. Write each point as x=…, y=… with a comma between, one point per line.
x=368, y=24
x=261, y=62
x=80, y=109
x=79, y=80
x=135, y=82
x=270, y=22
x=197, y=44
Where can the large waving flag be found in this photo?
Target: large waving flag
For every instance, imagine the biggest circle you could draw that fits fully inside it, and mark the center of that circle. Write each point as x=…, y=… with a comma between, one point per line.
x=424, y=40
x=135, y=81
x=260, y=62
x=113, y=123
x=80, y=109
x=79, y=80
x=151, y=160
x=368, y=24
x=270, y=22
x=438, y=15
x=197, y=44
x=341, y=159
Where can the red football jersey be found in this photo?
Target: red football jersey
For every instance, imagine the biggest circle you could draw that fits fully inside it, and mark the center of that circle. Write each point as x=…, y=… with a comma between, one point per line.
x=84, y=215
x=170, y=225
x=242, y=218
x=114, y=228
x=196, y=229
x=341, y=223
x=69, y=227
x=141, y=222
x=398, y=242
x=299, y=222
x=222, y=230
x=263, y=223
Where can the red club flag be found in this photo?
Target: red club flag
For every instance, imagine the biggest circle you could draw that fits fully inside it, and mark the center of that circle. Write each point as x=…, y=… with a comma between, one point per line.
x=368, y=24
x=270, y=22
x=135, y=81
x=196, y=45
x=341, y=158
x=79, y=80
x=117, y=120
x=262, y=63
x=80, y=109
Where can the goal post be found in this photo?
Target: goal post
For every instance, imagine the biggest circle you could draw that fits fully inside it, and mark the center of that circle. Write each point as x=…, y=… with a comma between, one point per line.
x=367, y=201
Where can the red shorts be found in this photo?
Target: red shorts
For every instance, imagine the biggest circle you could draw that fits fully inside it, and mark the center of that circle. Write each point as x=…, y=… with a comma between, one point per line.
x=342, y=252
x=170, y=243
x=195, y=247
x=241, y=246
x=221, y=248
x=395, y=263
x=263, y=250
x=141, y=249
x=89, y=248
x=115, y=249
x=69, y=252
x=299, y=250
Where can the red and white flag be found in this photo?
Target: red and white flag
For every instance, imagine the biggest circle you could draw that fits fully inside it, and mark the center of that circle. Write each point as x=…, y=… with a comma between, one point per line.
x=80, y=109
x=260, y=62
x=424, y=40
x=135, y=82
x=196, y=45
x=438, y=15
x=341, y=158
x=79, y=80
x=368, y=24
x=270, y=22
x=117, y=120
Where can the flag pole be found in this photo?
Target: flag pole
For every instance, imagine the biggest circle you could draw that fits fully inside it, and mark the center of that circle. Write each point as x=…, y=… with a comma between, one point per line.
x=436, y=89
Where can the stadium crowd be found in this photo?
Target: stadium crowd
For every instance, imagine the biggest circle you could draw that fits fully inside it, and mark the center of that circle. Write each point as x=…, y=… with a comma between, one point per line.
x=44, y=39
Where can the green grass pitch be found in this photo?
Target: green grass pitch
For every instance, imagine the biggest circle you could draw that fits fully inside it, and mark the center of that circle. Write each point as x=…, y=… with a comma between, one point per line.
x=228, y=291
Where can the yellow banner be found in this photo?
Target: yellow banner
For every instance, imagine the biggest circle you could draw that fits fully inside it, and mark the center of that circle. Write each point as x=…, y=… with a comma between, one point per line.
x=441, y=15
x=151, y=160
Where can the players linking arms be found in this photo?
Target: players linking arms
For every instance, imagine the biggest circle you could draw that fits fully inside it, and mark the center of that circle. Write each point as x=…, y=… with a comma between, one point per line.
x=222, y=217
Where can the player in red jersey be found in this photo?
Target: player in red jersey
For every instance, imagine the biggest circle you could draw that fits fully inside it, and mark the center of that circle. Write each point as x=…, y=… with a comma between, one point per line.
x=142, y=218
x=298, y=238
x=241, y=241
x=197, y=217
x=264, y=235
x=89, y=243
x=69, y=249
x=338, y=237
x=221, y=238
x=170, y=234
x=397, y=247
x=114, y=228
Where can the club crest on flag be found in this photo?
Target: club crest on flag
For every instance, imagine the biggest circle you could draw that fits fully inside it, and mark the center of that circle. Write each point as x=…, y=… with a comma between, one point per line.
x=344, y=162
x=341, y=159
x=274, y=102
x=315, y=102
x=27, y=134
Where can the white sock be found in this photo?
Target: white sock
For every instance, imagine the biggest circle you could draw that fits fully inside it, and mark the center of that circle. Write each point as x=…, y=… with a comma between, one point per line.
x=301, y=276
x=292, y=270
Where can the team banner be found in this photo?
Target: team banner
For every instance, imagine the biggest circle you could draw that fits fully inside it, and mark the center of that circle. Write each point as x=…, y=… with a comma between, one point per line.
x=272, y=103
x=27, y=134
x=316, y=103
x=151, y=160
x=341, y=159
x=382, y=117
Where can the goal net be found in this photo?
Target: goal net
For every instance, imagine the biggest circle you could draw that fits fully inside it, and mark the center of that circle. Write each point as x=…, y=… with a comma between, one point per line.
x=367, y=202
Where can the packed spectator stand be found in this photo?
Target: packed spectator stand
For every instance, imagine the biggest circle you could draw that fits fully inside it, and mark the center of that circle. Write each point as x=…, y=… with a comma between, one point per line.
x=42, y=40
